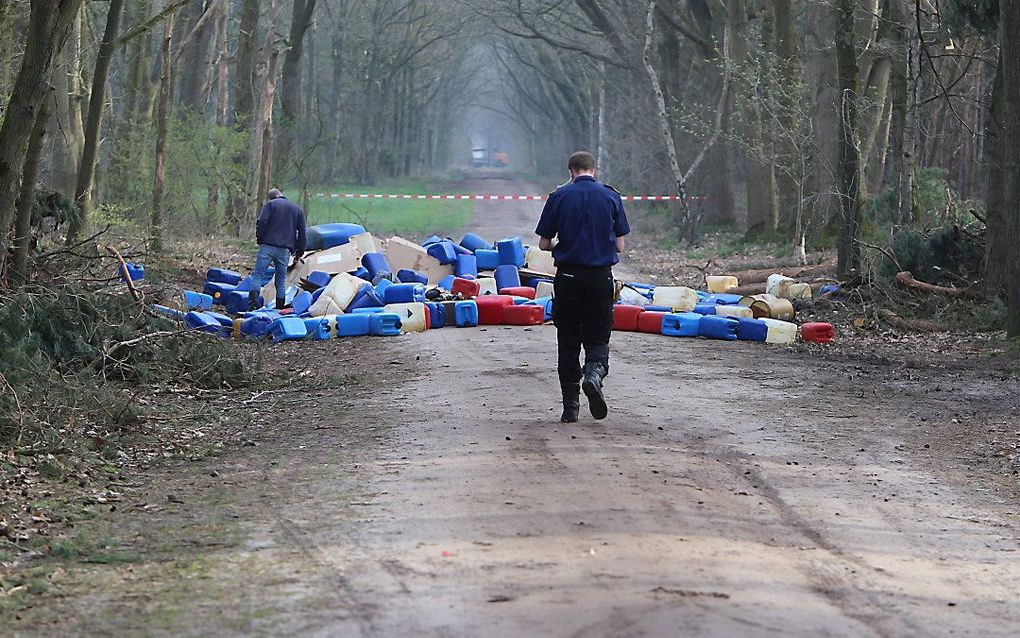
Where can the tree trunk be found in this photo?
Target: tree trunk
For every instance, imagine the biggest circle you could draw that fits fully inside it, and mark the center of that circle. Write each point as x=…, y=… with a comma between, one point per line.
x=900, y=172
x=222, y=99
x=162, y=121
x=996, y=227
x=290, y=85
x=848, y=173
x=789, y=74
x=66, y=132
x=192, y=71
x=26, y=199
x=97, y=106
x=244, y=105
x=48, y=26
x=1009, y=24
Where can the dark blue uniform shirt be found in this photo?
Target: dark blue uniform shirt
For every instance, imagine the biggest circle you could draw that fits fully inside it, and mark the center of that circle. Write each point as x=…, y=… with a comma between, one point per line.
x=282, y=224
x=587, y=216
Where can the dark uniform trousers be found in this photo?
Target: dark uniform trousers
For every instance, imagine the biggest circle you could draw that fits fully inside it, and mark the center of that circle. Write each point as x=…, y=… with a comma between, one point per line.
x=583, y=315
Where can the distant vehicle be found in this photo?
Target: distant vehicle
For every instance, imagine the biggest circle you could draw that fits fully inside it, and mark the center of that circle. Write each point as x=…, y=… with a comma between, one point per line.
x=483, y=157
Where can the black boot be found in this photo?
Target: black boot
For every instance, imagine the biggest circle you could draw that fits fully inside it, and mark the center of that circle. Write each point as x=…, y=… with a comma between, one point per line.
x=592, y=386
x=571, y=402
x=253, y=300
x=281, y=303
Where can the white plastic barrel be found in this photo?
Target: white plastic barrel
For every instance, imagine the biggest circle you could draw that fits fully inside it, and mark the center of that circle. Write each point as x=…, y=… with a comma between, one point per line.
x=679, y=298
x=337, y=296
x=487, y=286
x=720, y=283
x=780, y=331
x=545, y=289
x=412, y=316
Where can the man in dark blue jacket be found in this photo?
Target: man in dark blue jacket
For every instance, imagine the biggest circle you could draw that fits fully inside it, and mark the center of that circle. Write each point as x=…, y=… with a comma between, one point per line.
x=280, y=233
x=588, y=219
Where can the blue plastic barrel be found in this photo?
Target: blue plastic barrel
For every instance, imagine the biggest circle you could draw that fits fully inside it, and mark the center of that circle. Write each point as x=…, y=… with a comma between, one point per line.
x=408, y=276
x=705, y=308
x=437, y=314
x=367, y=297
x=287, y=329
x=466, y=314
x=384, y=324
x=507, y=277
x=223, y=276
x=511, y=251
x=404, y=293
x=716, y=327
x=466, y=265
x=474, y=243
x=302, y=302
x=752, y=329
x=353, y=325
x=329, y=235
x=683, y=324
x=375, y=264
x=443, y=252
x=318, y=278
x=197, y=300
x=317, y=328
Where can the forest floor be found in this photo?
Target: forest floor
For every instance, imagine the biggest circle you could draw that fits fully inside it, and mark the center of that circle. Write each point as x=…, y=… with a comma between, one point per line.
x=424, y=486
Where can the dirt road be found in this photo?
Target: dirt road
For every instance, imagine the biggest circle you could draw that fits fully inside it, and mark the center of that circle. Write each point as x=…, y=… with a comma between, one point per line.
x=734, y=490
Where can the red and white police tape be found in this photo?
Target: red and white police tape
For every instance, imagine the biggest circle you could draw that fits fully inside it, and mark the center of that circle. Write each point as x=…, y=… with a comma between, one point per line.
x=496, y=198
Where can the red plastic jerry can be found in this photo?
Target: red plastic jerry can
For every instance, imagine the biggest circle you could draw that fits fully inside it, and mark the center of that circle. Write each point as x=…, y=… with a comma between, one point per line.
x=817, y=332
x=626, y=317
x=650, y=322
x=523, y=315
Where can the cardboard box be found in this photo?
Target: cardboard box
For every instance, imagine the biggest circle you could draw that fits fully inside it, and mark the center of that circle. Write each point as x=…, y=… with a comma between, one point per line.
x=401, y=253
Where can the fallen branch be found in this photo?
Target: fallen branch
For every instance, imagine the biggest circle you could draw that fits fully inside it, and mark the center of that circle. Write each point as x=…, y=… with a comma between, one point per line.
x=917, y=325
x=127, y=275
x=759, y=276
x=759, y=288
x=906, y=279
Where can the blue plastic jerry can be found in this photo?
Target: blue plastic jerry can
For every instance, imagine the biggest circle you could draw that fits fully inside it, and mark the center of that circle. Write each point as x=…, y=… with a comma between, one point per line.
x=723, y=299
x=302, y=302
x=367, y=297
x=408, y=276
x=474, y=243
x=319, y=278
x=384, y=324
x=507, y=277
x=167, y=312
x=437, y=314
x=752, y=329
x=217, y=290
x=446, y=283
x=466, y=314
x=197, y=300
x=375, y=264
x=288, y=329
x=443, y=252
x=702, y=295
x=361, y=273
x=353, y=325
x=487, y=259
x=434, y=239
x=318, y=328
x=223, y=320
x=404, y=293
x=704, y=309
x=658, y=309
x=683, y=324
x=716, y=327
x=205, y=323
x=257, y=325
x=466, y=265
x=135, y=271
x=236, y=301
x=380, y=288
x=224, y=276
x=511, y=251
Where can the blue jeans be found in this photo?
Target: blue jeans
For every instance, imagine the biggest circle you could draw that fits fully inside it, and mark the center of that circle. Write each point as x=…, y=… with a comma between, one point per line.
x=279, y=258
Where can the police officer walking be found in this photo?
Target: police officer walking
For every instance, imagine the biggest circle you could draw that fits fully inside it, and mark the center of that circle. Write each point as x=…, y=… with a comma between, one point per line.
x=280, y=233
x=587, y=220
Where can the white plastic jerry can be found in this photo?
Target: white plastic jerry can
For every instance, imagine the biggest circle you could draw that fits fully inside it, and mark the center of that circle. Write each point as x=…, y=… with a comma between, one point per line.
x=780, y=331
x=487, y=286
x=337, y=296
x=740, y=312
x=679, y=298
x=720, y=283
x=545, y=289
x=412, y=316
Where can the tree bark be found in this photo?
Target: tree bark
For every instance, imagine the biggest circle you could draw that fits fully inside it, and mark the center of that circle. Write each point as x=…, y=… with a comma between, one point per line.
x=290, y=84
x=244, y=104
x=1009, y=25
x=789, y=73
x=192, y=71
x=996, y=227
x=162, y=122
x=49, y=23
x=26, y=199
x=97, y=106
x=848, y=173
x=66, y=132
x=900, y=172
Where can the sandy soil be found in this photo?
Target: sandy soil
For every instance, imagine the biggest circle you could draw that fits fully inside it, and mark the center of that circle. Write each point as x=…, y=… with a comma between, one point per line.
x=427, y=488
